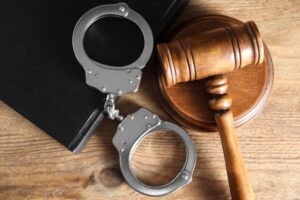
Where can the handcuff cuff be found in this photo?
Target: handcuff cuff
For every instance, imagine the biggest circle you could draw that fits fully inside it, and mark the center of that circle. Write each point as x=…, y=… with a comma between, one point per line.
x=117, y=81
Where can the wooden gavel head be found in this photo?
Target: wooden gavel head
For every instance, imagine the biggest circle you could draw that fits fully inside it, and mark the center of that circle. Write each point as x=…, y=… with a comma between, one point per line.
x=208, y=54
x=214, y=52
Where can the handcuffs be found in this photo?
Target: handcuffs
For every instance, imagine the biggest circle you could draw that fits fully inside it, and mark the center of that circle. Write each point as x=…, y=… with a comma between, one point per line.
x=117, y=81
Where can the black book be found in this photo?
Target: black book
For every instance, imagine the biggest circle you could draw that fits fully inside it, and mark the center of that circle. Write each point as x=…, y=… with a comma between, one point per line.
x=39, y=75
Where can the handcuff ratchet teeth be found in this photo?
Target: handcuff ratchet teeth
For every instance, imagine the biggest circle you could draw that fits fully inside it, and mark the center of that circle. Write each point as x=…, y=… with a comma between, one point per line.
x=117, y=81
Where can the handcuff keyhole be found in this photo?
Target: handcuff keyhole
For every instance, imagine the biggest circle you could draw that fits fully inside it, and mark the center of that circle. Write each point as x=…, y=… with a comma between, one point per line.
x=114, y=41
x=159, y=158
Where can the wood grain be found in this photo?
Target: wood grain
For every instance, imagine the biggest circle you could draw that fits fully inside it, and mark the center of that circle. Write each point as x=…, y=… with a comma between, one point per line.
x=238, y=178
x=34, y=166
x=214, y=51
x=213, y=54
x=190, y=108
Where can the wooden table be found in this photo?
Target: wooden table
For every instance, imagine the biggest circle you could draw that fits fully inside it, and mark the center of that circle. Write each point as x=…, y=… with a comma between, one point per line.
x=34, y=166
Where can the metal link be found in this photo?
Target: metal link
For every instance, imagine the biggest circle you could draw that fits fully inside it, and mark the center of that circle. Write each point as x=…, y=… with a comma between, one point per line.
x=116, y=82
x=110, y=108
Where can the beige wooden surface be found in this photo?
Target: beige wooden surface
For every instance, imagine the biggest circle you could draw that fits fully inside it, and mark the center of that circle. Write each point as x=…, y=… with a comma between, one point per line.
x=34, y=166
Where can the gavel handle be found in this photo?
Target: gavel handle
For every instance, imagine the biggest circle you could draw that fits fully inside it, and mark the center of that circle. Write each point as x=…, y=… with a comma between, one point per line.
x=240, y=185
x=239, y=182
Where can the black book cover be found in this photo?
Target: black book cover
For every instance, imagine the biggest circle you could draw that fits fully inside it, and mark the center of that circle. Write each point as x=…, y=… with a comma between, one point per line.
x=39, y=75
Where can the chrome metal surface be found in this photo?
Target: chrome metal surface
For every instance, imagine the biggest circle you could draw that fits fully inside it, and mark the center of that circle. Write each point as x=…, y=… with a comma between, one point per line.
x=117, y=81
x=110, y=108
x=111, y=79
x=131, y=131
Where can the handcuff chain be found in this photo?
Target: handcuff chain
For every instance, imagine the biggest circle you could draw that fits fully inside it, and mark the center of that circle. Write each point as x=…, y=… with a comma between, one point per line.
x=110, y=108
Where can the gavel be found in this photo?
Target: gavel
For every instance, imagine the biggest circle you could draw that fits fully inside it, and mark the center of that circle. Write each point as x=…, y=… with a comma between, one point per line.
x=211, y=55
